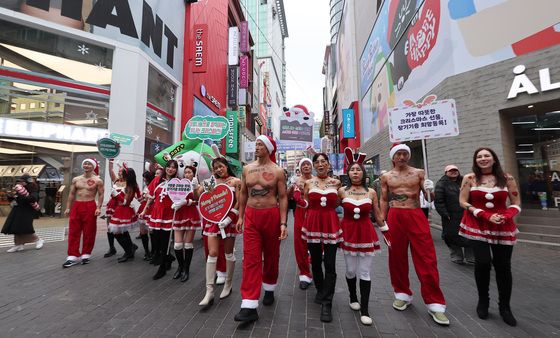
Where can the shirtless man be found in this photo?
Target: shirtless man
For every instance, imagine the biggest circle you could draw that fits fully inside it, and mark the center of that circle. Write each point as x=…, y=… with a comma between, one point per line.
x=83, y=212
x=400, y=190
x=263, y=206
x=305, y=167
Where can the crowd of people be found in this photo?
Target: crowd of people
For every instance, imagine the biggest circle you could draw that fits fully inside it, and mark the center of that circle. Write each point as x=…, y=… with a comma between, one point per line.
x=477, y=213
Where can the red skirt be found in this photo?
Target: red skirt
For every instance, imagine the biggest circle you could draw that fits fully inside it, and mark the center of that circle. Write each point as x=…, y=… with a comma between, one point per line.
x=123, y=219
x=479, y=229
x=110, y=207
x=187, y=218
x=360, y=237
x=213, y=230
x=321, y=226
x=161, y=216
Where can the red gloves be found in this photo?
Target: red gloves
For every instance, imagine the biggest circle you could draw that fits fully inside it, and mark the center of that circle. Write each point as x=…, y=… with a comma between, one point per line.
x=299, y=199
x=511, y=211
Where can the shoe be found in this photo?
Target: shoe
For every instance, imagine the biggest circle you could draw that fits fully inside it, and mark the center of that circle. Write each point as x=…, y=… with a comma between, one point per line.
x=124, y=258
x=147, y=257
x=220, y=280
x=184, y=276
x=326, y=312
x=439, y=317
x=400, y=305
x=15, y=248
x=86, y=261
x=39, y=244
x=268, y=298
x=111, y=252
x=460, y=262
x=208, y=297
x=482, y=310
x=508, y=317
x=303, y=285
x=355, y=306
x=246, y=315
x=70, y=263
x=160, y=272
x=366, y=320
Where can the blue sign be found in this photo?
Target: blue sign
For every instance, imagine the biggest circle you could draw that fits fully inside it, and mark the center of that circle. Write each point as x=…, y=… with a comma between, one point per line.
x=348, y=130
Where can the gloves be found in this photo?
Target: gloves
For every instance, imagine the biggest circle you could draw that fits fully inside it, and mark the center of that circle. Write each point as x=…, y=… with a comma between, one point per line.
x=178, y=205
x=512, y=211
x=428, y=184
x=190, y=202
x=299, y=200
x=114, y=192
x=224, y=223
x=194, y=183
x=482, y=214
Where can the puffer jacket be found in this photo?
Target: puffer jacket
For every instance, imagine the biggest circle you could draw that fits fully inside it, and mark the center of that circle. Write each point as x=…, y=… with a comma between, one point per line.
x=447, y=205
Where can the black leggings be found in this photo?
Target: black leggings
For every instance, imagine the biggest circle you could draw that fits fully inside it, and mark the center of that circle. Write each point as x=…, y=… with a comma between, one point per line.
x=323, y=254
x=161, y=242
x=498, y=255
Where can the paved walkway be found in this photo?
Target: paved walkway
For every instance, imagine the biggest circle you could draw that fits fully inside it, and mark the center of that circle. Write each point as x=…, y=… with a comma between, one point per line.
x=39, y=298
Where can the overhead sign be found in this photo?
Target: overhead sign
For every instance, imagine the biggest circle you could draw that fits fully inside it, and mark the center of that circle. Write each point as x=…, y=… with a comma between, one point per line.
x=296, y=124
x=348, y=127
x=244, y=37
x=206, y=128
x=522, y=84
x=108, y=148
x=231, y=138
x=244, y=71
x=434, y=120
x=233, y=46
x=200, y=48
x=232, y=86
x=122, y=139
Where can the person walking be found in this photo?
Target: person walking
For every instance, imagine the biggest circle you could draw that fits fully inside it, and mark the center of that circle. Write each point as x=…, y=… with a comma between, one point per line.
x=19, y=222
x=117, y=194
x=148, y=177
x=447, y=205
x=488, y=223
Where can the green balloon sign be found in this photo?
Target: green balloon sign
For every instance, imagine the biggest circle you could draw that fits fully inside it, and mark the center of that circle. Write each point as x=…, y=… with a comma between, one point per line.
x=206, y=128
x=108, y=148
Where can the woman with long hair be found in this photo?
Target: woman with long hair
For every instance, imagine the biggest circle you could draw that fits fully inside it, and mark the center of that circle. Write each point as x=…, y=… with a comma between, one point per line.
x=148, y=177
x=117, y=194
x=124, y=218
x=360, y=239
x=488, y=222
x=187, y=221
x=161, y=217
x=214, y=231
x=322, y=231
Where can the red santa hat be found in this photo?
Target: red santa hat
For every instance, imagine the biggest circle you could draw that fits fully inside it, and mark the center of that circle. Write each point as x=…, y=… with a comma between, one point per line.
x=302, y=161
x=94, y=163
x=396, y=147
x=270, y=144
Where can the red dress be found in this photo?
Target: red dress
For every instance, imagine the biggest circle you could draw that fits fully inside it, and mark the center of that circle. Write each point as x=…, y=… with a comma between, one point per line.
x=124, y=218
x=321, y=221
x=161, y=216
x=143, y=221
x=360, y=237
x=212, y=229
x=112, y=204
x=492, y=200
x=187, y=217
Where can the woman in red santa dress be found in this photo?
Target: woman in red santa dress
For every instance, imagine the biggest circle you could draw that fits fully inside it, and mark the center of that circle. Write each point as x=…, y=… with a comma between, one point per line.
x=322, y=231
x=148, y=177
x=117, y=193
x=223, y=174
x=124, y=218
x=187, y=221
x=161, y=217
x=360, y=239
x=488, y=222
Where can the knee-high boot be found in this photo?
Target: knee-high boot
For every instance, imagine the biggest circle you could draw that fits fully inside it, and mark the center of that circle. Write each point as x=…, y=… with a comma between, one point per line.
x=145, y=244
x=230, y=267
x=365, y=287
x=156, y=256
x=187, y=266
x=210, y=273
x=354, y=305
x=112, y=251
x=504, y=282
x=180, y=254
x=482, y=278
x=328, y=288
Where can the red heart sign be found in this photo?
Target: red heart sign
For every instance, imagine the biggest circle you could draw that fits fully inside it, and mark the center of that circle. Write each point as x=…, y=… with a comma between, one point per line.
x=214, y=205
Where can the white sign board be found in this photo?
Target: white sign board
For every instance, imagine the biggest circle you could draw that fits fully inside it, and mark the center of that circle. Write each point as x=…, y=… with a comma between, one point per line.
x=233, y=46
x=435, y=120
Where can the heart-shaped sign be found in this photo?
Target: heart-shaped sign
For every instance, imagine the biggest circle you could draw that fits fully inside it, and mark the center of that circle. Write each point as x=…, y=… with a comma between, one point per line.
x=178, y=189
x=214, y=205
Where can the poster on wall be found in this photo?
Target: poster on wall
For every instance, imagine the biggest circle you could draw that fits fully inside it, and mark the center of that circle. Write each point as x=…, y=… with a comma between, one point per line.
x=414, y=45
x=415, y=122
x=296, y=124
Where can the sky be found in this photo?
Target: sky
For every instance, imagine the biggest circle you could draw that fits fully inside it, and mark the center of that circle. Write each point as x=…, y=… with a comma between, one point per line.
x=308, y=36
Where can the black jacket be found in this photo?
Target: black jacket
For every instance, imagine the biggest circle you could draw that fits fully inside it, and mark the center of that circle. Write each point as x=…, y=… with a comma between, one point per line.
x=447, y=205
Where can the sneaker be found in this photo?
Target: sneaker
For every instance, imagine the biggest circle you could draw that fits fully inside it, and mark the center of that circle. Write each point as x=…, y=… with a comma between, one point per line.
x=70, y=263
x=439, y=317
x=355, y=306
x=400, y=305
x=15, y=248
x=39, y=244
x=86, y=261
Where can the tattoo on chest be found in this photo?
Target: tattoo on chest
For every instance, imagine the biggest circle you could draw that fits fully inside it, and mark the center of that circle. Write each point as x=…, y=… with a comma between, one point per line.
x=256, y=170
x=356, y=193
x=268, y=176
x=398, y=197
x=90, y=182
x=259, y=192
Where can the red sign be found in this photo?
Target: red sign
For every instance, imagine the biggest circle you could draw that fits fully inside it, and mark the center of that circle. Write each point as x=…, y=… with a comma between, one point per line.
x=214, y=205
x=200, y=48
x=243, y=71
x=244, y=37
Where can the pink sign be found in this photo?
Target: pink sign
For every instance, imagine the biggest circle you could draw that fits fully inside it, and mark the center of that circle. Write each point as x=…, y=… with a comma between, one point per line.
x=178, y=189
x=244, y=37
x=243, y=71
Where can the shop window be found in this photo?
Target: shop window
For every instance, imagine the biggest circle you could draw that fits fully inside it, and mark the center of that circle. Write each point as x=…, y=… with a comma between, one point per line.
x=23, y=106
x=32, y=105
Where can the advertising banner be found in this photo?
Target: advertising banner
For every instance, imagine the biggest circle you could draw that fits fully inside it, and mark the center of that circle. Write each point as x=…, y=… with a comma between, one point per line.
x=348, y=129
x=232, y=86
x=231, y=137
x=243, y=71
x=233, y=46
x=206, y=128
x=434, y=120
x=244, y=37
x=296, y=124
x=200, y=48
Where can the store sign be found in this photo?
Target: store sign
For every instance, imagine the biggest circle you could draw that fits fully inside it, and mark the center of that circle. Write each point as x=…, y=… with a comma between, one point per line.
x=348, y=128
x=244, y=37
x=210, y=98
x=232, y=86
x=232, y=138
x=108, y=148
x=206, y=128
x=522, y=84
x=244, y=71
x=434, y=120
x=50, y=131
x=233, y=46
x=200, y=48
x=122, y=139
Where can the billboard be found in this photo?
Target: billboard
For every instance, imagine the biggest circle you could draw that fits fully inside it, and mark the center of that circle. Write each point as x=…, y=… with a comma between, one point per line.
x=296, y=124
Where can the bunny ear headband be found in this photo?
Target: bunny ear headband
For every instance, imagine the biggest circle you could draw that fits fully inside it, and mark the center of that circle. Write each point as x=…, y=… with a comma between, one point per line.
x=352, y=157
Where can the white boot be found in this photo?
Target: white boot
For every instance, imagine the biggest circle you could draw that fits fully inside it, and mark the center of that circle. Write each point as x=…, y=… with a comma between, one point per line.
x=230, y=267
x=210, y=273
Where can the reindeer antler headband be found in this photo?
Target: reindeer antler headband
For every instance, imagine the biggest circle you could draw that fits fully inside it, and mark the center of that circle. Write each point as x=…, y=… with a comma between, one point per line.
x=352, y=157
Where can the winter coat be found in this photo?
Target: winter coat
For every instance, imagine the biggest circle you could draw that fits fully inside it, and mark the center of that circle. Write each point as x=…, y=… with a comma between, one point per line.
x=447, y=205
x=20, y=218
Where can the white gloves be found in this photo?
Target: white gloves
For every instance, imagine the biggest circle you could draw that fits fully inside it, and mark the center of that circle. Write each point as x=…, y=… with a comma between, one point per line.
x=177, y=206
x=194, y=183
x=224, y=223
x=428, y=184
x=114, y=192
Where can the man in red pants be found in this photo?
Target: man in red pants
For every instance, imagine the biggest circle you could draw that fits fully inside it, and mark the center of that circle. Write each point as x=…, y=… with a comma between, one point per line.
x=83, y=212
x=263, y=206
x=300, y=246
x=400, y=190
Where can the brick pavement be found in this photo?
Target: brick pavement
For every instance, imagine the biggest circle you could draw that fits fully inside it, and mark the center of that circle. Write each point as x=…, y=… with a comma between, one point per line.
x=106, y=299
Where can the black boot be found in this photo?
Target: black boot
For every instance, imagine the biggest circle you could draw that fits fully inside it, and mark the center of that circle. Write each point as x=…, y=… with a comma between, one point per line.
x=181, y=262
x=112, y=251
x=168, y=261
x=120, y=239
x=188, y=259
x=328, y=291
x=482, y=308
x=354, y=305
x=365, y=288
x=504, y=282
x=246, y=315
x=160, y=272
x=125, y=241
x=326, y=312
x=507, y=316
x=145, y=244
x=482, y=278
x=268, y=298
x=156, y=255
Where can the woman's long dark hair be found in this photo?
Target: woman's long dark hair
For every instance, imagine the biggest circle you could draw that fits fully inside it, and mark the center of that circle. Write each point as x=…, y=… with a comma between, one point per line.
x=167, y=165
x=148, y=176
x=129, y=175
x=501, y=179
x=363, y=169
x=224, y=162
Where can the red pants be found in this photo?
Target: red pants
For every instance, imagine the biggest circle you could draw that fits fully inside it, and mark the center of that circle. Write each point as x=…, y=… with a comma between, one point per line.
x=82, y=220
x=260, y=238
x=300, y=246
x=410, y=226
x=221, y=263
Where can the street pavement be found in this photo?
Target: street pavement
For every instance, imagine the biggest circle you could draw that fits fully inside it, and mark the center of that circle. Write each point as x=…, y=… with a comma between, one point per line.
x=107, y=299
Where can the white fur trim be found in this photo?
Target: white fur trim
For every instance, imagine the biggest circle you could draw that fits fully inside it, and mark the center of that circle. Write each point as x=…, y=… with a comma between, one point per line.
x=189, y=246
x=71, y=258
x=397, y=148
x=403, y=296
x=178, y=246
x=85, y=256
x=235, y=211
x=267, y=143
x=477, y=211
x=515, y=207
x=91, y=161
x=304, y=278
x=230, y=257
x=305, y=159
x=436, y=307
x=269, y=287
x=249, y=304
x=384, y=228
x=211, y=259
